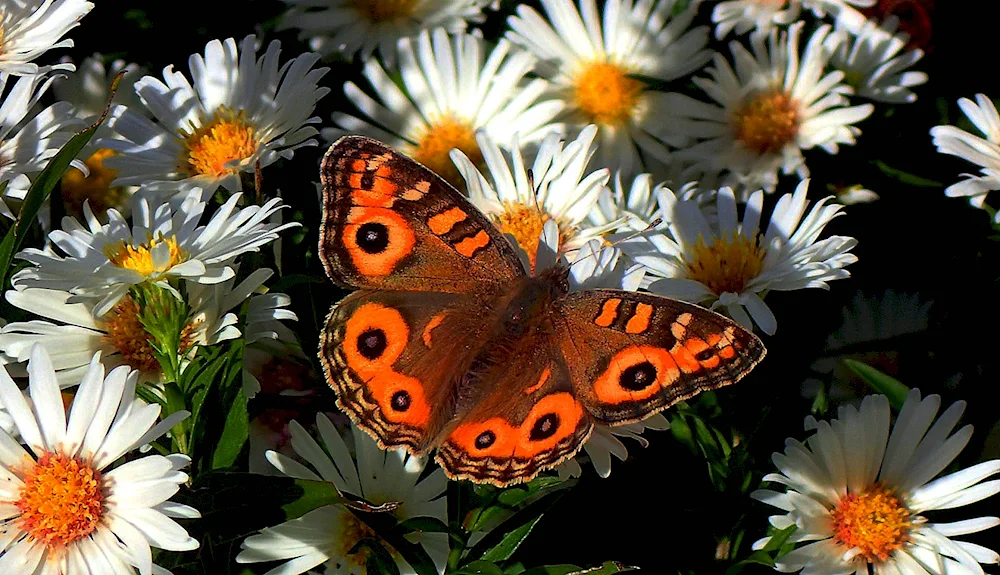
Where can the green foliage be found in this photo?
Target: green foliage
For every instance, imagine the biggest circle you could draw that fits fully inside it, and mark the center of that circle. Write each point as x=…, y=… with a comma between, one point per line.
x=880, y=382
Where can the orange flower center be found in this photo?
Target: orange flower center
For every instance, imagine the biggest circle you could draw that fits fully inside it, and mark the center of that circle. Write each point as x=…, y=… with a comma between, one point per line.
x=874, y=521
x=62, y=500
x=605, y=94
x=124, y=330
x=525, y=224
x=381, y=11
x=727, y=265
x=227, y=137
x=767, y=123
x=95, y=188
x=436, y=143
x=140, y=259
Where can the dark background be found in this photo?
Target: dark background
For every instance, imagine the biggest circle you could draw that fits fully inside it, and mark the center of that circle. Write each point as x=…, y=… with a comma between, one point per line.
x=658, y=510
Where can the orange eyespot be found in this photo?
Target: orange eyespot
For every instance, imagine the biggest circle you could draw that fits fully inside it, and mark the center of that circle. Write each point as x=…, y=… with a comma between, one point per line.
x=491, y=438
x=374, y=338
x=636, y=373
x=401, y=398
x=550, y=421
x=376, y=239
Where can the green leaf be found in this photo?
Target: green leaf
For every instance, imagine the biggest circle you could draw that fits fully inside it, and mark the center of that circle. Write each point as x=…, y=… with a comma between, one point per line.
x=779, y=538
x=43, y=185
x=606, y=568
x=553, y=570
x=682, y=431
x=424, y=525
x=755, y=558
x=880, y=382
x=906, y=177
x=234, y=433
x=511, y=541
x=480, y=568
x=528, y=514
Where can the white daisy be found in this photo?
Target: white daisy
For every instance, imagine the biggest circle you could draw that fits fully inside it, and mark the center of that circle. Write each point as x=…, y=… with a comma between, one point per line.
x=730, y=264
x=352, y=26
x=240, y=111
x=451, y=92
x=774, y=105
x=984, y=152
x=858, y=493
x=638, y=206
x=763, y=15
x=873, y=60
x=71, y=333
x=592, y=61
x=30, y=28
x=325, y=535
x=28, y=142
x=520, y=200
x=102, y=261
x=66, y=511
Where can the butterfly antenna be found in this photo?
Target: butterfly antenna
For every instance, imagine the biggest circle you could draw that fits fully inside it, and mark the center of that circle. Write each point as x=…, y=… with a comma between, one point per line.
x=649, y=227
x=534, y=191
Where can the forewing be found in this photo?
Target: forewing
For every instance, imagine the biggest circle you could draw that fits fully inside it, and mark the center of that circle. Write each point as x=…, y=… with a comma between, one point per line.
x=391, y=224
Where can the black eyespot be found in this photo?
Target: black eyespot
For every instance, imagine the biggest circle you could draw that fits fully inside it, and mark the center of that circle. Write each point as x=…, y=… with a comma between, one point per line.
x=545, y=427
x=485, y=439
x=372, y=237
x=371, y=343
x=705, y=354
x=638, y=377
x=400, y=401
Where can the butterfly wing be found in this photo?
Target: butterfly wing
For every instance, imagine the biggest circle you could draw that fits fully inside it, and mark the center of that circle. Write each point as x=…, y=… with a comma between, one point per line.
x=517, y=415
x=637, y=354
x=391, y=224
x=393, y=359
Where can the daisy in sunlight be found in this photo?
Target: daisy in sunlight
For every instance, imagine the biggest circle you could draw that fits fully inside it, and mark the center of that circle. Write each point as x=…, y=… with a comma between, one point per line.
x=362, y=26
x=730, y=264
x=593, y=68
x=28, y=139
x=973, y=148
x=102, y=261
x=455, y=86
x=743, y=16
x=30, y=28
x=241, y=111
x=858, y=493
x=768, y=109
x=67, y=508
x=324, y=535
x=557, y=187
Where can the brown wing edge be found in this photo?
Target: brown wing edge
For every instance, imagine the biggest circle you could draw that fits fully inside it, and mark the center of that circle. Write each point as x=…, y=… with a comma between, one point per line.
x=510, y=471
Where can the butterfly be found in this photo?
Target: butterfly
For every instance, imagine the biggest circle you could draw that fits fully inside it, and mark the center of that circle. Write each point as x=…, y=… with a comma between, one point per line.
x=449, y=344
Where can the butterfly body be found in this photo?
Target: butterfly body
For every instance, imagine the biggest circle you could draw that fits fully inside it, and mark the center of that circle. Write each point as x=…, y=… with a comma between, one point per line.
x=450, y=345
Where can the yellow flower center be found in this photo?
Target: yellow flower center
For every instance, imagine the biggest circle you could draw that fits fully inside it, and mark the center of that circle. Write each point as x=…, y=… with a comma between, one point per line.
x=227, y=137
x=61, y=501
x=525, y=224
x=437, y=141
x=767, y=123
x=381, y=11
x=95, y=188
x=605, y=94
x=874, y=521
x=140, y=259
x=124, y=330
x=727, y=265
